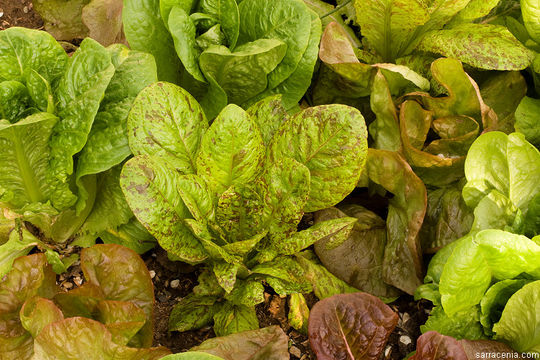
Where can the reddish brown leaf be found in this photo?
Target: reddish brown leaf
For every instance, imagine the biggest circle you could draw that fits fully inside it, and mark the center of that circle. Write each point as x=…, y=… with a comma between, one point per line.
x=350, y=327
x=434, y=346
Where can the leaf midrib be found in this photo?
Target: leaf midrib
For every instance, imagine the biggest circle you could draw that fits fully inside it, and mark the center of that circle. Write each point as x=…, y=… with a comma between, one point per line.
x=27, y=175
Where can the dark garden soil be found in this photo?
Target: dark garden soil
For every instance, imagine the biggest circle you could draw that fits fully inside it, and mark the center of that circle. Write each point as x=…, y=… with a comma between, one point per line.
x=174, y=280
x=19, y=13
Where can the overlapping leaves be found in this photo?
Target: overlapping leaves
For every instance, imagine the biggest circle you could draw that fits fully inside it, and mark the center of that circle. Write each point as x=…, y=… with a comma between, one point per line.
x=108, y=317
x=232, y=196
x=229, y=51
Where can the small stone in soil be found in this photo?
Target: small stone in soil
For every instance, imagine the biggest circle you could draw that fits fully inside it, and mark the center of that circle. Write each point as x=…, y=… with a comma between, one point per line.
x=294, y=351
x=152, y=274
x=67, y=285
x=175, y=283
x=404, y=339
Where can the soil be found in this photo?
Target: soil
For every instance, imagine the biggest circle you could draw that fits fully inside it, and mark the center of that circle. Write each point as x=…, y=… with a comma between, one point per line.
x=19, y=13
x=174, y=280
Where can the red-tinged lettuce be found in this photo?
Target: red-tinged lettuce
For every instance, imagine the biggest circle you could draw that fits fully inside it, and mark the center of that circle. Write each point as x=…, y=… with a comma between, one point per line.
x=381, y=257
x=108, y=317
x=226, y=52
x=350, y=326
x=232, y=194
x=63, y=132
x=434, y=346
x=100, y=20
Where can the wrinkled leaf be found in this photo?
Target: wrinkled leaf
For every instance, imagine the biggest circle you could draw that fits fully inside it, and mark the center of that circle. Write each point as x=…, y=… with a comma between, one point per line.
x=350, y=326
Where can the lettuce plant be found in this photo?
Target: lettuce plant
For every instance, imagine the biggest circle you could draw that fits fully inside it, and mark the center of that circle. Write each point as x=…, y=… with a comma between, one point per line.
x=381, y=256
x=230, y=195
x=485, y=284
x=62, y=133
x=394, y=30
x=224, y=52
x=108, y=317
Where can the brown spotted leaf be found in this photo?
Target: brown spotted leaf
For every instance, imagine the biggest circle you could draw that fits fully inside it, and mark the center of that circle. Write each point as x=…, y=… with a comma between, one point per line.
x=350, y=327
x=331, y=141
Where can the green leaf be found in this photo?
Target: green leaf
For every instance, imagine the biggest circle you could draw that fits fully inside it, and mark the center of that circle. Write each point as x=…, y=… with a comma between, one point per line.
x=385, y=128
x=489, y=47
x=389, y=25
x=14, y=99
x=496, y=211
x=531, y=18
x=191, y=355
x=26, y=177
x=506, y=163
x=18, y=244
x=232, y=319
x=285, y=275
x=461, y=325
x=520, y=320
x=268, y=113
x=197, y=197
x=243, y=73
x=246, y=292
x=269, y=343
x=151, y=189
x=23, y=50
x=183, y=32
x=297, y=84
x=145, y=31
x=527, y=119
x=316, y=138
x=475, y=260
x=285, y=20
x=298, y=313
x=475, y=9
x=495, y=299
x=107, y=144
x=167, y=122
x=79, y=93
x=123, y=276
x=226, y=274
x=40, y=91
x=323, y=282
x=232, y=150
x=110, y=210
x=78, y=338
x=192, y=312
x=226, y=13
x=402, y=266
x=242, y=212
x=165, y=7
x=457, y=293
x=131, y=235
x=288, y=189
x=333, y=232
